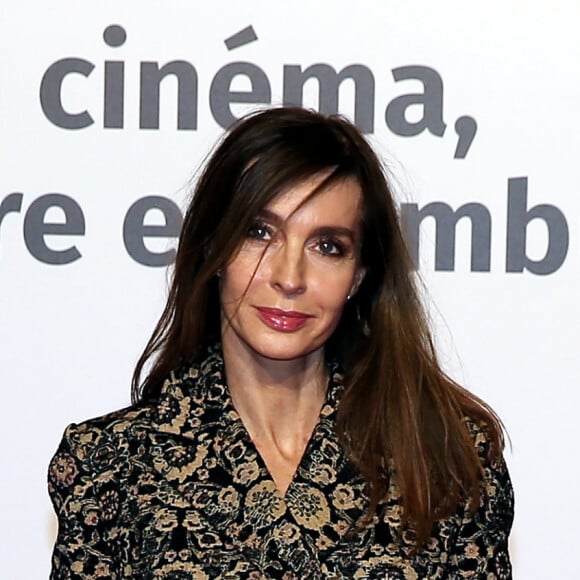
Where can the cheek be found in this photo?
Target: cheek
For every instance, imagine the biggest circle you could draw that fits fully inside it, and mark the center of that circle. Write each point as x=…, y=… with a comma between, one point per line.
x=238, y=277
x=331, y=291
x=231, y=291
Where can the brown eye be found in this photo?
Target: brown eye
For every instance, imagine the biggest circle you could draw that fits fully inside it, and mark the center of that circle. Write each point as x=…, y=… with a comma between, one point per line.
x=260, y=231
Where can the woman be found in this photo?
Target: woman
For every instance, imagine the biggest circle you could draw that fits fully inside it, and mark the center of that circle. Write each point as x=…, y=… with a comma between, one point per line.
x=295, y=422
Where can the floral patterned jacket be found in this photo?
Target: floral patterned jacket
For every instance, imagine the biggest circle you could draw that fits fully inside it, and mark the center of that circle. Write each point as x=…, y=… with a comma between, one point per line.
x=176, y=489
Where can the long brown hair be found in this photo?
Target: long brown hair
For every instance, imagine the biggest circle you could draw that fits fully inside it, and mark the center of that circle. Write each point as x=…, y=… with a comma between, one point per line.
x=400, y=416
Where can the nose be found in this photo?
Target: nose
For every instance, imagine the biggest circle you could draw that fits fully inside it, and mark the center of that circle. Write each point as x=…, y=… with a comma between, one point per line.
x=288, y=270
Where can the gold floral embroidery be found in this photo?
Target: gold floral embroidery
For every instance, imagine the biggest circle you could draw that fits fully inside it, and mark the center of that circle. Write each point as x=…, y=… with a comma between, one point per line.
x=309, y=506
x=246, y=472
x=177, y=490
x=263, y=504
x=63, y=469
x=343, y=497
x=286, y=532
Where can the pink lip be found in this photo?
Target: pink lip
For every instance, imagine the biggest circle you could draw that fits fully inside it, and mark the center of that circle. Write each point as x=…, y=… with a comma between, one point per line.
x=283, y=320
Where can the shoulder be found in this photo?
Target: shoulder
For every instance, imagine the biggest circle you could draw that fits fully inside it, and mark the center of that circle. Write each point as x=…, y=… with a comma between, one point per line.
x=489, y=445
x=113, y=426
x=487, y=438
x=95, y=449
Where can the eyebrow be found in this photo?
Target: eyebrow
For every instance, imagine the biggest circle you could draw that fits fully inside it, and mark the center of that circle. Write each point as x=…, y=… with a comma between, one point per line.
x=341, y=231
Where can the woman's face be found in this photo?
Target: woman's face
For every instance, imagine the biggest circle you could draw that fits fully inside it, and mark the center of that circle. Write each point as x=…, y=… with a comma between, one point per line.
x=283, y=293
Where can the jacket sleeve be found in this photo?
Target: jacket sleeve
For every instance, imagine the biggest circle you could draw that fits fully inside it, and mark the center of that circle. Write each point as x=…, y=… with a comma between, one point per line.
x=481, y=549
x=84, y=494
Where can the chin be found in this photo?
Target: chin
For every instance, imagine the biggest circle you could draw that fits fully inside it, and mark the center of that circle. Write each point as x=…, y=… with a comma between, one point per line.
x=278, y=349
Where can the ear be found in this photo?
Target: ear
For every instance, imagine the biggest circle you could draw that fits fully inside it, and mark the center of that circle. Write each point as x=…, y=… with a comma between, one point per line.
x=359, y=276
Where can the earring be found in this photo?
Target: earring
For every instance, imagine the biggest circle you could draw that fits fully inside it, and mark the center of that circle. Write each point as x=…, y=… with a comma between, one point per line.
x=348, y=297
x=219, y=273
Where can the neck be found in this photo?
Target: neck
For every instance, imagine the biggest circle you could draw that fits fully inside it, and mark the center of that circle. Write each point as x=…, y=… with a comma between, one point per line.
x=278, y=401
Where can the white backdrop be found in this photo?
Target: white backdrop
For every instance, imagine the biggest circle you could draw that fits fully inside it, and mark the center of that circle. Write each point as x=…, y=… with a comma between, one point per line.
x=70, y=333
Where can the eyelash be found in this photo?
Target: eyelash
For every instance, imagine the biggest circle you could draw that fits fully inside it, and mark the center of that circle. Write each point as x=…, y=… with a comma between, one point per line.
x=338, y=251
x=262, y=232
x=255, y=229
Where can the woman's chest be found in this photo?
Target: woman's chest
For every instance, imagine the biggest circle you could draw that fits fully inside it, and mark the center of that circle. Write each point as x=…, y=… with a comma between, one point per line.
x=190, y=514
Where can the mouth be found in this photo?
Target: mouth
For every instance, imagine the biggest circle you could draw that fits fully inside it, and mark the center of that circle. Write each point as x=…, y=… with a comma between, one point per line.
x=283, y=320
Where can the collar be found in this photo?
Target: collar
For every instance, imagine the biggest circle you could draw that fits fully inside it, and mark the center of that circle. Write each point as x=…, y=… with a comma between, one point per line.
x=197, y=397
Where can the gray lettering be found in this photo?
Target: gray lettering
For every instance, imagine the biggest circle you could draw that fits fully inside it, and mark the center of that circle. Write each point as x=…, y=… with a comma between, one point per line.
x=328, y=85
x=221, y=96
x=51, y=93
x=36, y=228
x=445, y=223
x=466, y=128
x=518, y=218
x=11, y=203
x=135, y=230
x=151, y=77
x=114, y=98
x=114, y=35
x=431, y=100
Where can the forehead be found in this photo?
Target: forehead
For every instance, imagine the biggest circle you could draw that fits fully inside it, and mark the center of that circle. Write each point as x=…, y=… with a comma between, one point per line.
x=338, y=203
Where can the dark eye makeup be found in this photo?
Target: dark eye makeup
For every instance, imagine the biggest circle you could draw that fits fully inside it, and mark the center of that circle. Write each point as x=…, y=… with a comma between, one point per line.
x=259, y=230
x=332, y=247
x=327, y=245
